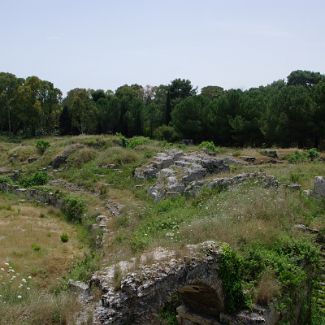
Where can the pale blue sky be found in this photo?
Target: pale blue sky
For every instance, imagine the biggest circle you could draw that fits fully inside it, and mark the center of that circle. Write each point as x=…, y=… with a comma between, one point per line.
x=104, y=44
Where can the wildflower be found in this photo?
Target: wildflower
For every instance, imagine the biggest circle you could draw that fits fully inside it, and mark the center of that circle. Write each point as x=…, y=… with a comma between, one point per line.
x=23, y=280
x=2, y=269
x=7, y=264
x=19, y=297
x=29, y=277
x=28, y=288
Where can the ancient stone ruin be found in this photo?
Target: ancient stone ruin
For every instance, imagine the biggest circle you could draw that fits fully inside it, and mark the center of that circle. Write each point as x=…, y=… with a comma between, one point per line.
x=319, y=187
x=177, y=172
x=133, y=293
x=225, y=182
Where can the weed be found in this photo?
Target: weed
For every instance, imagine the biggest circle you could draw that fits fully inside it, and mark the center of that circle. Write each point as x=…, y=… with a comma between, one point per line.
x=42, y=146
x=64, y=238
x=36, y=247
x=209, y=147
x=38, y=178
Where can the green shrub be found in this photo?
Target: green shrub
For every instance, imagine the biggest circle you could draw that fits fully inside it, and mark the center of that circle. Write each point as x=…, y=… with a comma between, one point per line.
x=136, y=141
x=297, y=157
x=83, y=269
x=5, y=179
x=39, y=178
x=42, y=146
x=313, y=154
x=64, y=238
x=73, y=208
x=123, y=139
x=292, y=261
x=208, y=146
x=230, y=270
x=36, y=247
x=167, y=133
x=301, y=156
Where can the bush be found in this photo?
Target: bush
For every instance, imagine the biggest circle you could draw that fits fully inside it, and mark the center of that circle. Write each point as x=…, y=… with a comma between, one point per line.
x=39, y=178
x=167, y=133
x=230, y=270
x=64, y=238
x=208, y=146
x=313, y=154
x=136, y=141
x=301, y=156
x=73, y=208
x=36, y=247
x=297, y=157
x=42, y=146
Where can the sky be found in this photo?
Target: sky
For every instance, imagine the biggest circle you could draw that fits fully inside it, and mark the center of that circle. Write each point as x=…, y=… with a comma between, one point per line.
x=103, y=44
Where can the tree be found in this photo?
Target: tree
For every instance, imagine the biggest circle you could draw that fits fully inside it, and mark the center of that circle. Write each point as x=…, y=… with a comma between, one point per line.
x=189, y=118
x=304, y=78
x=177, y=90
x=82, y=110
x=130, y=102
x=65, y=125
x=212, y=92
x=9, y=84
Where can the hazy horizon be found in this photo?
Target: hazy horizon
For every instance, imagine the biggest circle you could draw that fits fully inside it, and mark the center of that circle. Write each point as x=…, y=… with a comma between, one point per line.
x=105, y=44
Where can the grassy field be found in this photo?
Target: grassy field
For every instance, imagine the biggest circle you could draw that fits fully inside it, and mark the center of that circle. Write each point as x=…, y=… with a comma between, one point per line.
x=101, y=170
x=33, y=260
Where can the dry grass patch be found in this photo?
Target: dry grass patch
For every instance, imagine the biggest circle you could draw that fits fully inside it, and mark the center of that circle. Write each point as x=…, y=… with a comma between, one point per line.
x=41, y=309
x=22, y=153
x=30, y=241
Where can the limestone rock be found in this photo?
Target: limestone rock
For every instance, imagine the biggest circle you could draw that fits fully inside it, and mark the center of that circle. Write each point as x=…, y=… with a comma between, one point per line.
x=319, y=187
x=143, y=292
x=160, y=161
x=224, y=182
x=189, y=167
x=78, y=287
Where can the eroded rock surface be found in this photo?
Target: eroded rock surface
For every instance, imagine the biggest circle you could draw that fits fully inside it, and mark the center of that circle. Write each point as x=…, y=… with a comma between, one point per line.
x=225, y=182
x=133, y=292
x=319, y=187
x=174, y=172
x=144, y=292
x=160, y=161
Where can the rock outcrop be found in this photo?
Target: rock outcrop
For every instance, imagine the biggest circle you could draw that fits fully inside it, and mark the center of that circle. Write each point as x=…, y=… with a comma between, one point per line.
x=225, y=182
x=175, y=170
x=142, y=293
x=319, y=187
x=134, y=293
x=160, y=161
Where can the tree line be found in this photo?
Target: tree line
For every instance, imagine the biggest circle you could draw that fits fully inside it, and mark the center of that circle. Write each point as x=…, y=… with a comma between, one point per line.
x=287, y=112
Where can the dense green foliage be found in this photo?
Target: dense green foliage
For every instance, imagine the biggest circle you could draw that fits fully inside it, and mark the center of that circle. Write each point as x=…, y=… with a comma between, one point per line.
x=230, y=272
x=42, y=146
x=282, y=113
x=73, y=208
x=38, y=178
